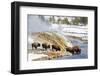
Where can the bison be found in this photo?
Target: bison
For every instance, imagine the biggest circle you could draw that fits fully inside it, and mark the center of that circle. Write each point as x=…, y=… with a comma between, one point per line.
x=74, y=50
x=45, y=46
x=35, y=45
x=55, y=47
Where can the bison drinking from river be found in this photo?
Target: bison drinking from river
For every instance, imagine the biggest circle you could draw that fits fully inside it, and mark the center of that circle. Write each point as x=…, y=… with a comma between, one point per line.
x=74, y=49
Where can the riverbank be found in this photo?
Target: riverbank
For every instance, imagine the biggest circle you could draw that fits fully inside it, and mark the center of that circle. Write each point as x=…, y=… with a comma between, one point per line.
x=35, y=55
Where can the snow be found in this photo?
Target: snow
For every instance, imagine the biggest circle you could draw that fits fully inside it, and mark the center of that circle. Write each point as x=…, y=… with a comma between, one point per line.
x=33, y=56
x=72, y=30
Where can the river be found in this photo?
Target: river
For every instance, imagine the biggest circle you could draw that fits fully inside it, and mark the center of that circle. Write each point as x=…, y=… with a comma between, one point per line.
x=84, y=49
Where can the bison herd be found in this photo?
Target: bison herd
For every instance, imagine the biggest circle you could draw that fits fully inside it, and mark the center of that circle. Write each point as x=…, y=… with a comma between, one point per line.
x=45, y=46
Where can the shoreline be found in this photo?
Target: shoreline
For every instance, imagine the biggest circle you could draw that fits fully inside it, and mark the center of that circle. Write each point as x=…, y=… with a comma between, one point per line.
x=48, y=55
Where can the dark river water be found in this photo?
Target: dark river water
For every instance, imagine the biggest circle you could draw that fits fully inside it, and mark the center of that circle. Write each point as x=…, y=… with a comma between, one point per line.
x=84, y=49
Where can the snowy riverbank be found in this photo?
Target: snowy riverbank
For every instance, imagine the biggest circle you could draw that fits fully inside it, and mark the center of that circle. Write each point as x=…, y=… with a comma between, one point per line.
x=72, y=30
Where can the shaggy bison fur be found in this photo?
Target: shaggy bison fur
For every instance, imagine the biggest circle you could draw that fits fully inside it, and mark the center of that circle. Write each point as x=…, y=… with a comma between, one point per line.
x=55, y=47
x=35, y=45
x=45, y=46
x=74, y=49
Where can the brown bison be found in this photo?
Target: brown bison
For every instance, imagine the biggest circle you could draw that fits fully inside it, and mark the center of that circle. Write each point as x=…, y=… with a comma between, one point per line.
x=45, y=46
x=55, y=47
x=74, y=50
x=35, y=45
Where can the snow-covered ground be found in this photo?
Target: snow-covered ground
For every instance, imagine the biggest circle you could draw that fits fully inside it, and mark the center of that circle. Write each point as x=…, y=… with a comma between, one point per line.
x=32, y=56
x=71, y=30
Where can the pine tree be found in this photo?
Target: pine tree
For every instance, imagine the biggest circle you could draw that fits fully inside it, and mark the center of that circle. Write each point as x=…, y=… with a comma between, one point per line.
x=84, y=20
x=76, y=21
x=53, y=18
x=50, y=19
x=59, y=20
x=66, y=21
